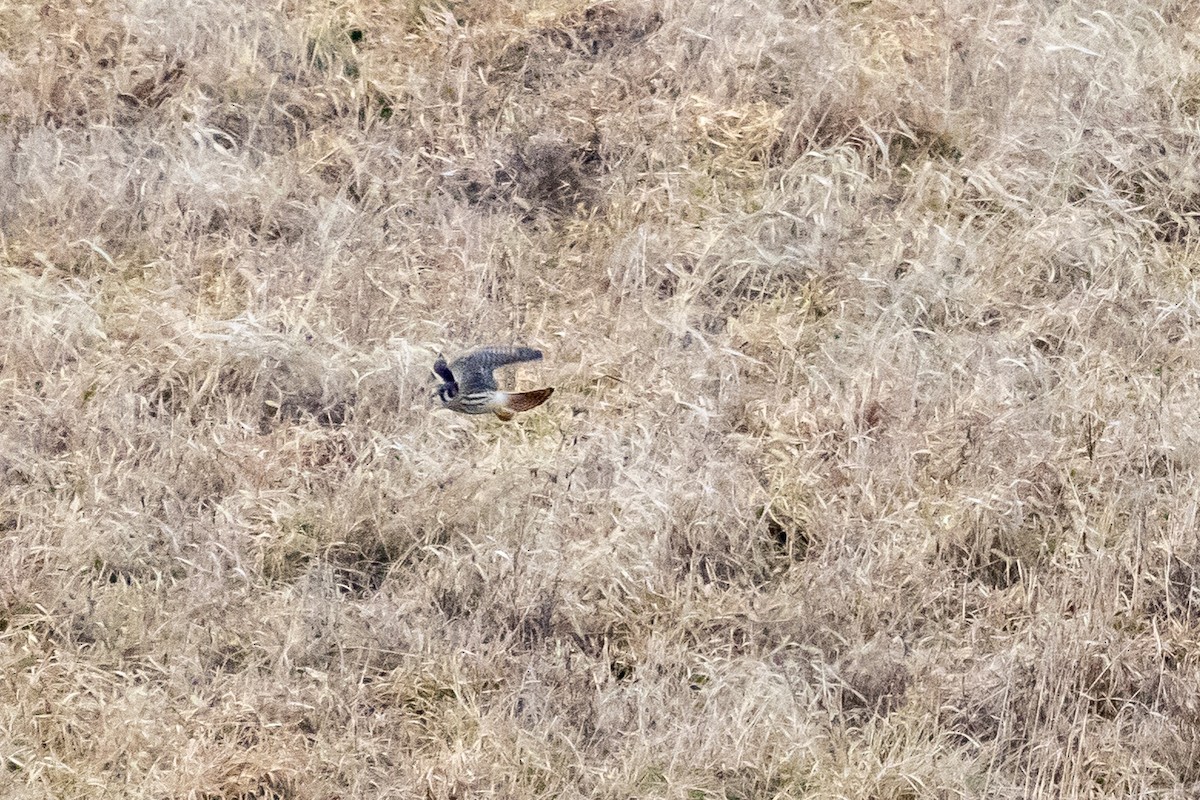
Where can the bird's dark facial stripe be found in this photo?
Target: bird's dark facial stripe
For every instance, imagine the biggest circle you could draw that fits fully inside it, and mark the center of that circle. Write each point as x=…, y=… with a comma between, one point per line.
x=443, y=370
x=448, y=391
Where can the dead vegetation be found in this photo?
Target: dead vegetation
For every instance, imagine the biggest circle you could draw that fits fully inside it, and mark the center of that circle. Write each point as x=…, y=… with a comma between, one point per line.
x=872, y=469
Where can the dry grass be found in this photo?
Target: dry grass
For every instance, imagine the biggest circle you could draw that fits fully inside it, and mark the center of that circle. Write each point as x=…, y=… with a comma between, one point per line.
x=872, y=469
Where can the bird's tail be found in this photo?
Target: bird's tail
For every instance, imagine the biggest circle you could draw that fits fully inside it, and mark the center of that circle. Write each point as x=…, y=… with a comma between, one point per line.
x=522, y=401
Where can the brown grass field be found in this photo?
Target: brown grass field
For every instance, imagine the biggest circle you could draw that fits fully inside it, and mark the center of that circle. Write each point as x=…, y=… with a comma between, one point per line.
x=873, y=468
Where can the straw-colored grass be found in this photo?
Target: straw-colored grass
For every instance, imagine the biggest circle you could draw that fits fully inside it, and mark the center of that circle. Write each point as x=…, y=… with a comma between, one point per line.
x=873, y=466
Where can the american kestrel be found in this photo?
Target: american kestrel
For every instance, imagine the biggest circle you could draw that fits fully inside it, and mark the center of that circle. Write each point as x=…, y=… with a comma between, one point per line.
x=470, y=388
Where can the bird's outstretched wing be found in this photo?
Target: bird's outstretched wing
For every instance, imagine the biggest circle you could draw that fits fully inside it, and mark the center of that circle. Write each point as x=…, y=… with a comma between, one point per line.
x=474, y=370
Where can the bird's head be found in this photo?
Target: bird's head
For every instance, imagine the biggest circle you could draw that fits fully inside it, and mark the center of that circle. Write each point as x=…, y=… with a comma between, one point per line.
x=449, y=388
x=447, y=392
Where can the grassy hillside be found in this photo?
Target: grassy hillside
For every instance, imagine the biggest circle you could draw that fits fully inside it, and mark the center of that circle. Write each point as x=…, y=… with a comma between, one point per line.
x=872, y=469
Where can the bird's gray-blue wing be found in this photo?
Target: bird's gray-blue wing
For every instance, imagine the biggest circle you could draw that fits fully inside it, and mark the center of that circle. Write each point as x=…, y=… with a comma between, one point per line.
x=474, y=370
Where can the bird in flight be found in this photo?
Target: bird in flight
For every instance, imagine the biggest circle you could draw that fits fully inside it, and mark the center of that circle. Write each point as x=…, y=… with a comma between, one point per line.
x=469, y=387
